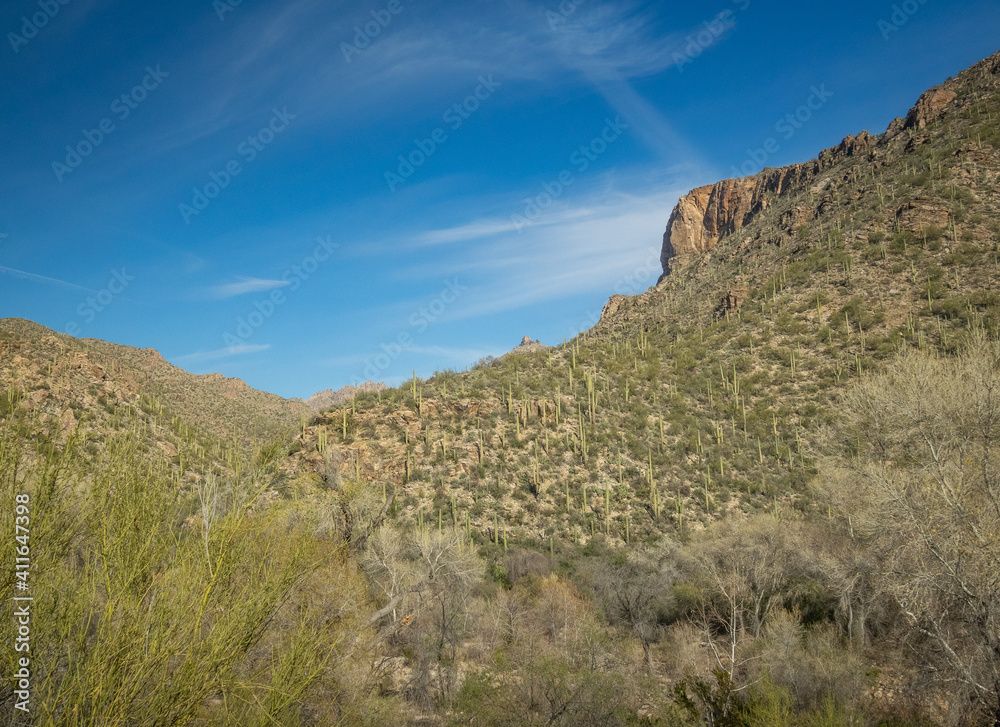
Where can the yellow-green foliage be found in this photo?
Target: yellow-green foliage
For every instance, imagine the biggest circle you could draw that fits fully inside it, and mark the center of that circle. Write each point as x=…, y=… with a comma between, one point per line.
x=158, y=606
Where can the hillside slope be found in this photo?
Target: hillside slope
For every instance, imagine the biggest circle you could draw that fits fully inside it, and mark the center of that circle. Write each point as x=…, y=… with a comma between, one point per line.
x=709, y=393
x=64, y=383
x=730, y=502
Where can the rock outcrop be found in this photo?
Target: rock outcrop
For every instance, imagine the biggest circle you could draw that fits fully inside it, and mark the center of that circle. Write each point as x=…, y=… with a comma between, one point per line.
x=708, y=214
x=921, y=213
x=731, y=302
x=929, y=105
x=528, y=346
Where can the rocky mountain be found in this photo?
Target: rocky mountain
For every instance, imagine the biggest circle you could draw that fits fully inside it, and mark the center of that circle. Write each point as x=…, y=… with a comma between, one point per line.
x=65, y=382
x=330, y=398
x=528, y=346
x=710, y=213
x=709, y=393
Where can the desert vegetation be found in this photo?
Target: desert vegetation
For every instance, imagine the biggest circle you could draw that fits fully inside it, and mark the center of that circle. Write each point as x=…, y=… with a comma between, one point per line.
x=160, y=603
x=777, y=509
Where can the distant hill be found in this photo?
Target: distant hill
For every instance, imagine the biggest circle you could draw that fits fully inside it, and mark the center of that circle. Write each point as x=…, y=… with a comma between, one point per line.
x=66, y=381
x=330, y=398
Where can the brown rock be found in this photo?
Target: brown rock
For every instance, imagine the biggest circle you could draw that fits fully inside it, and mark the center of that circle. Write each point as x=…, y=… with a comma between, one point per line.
x=795, y=218
x=929, y=105
x=895, y=127
x=853, y=145
x=35, y=399
x=706, y=214
x=613, y=305
x=527, y=346
x=920, y=213
x=67, y=422
x=915, y=141
x=731, y=302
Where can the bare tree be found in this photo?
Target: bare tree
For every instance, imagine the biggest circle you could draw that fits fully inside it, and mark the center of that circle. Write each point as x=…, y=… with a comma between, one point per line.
x=635, y=591
x=920, y=479
x=744, y=569
x=429, y=577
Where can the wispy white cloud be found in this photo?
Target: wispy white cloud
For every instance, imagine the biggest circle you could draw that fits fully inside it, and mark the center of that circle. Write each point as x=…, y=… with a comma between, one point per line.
x=13, y=272
x=220, y=354
x=603, y=241
x=244, y=286
x=430, y=50
x=490, y=227
x=610, y=42
x=471, y=231
x=428, y=55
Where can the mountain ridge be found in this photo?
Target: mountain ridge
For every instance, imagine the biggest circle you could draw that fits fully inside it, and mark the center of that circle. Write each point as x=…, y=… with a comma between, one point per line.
x=679, y=515
x=92, y=378
x=711, y=212
x=329, y=397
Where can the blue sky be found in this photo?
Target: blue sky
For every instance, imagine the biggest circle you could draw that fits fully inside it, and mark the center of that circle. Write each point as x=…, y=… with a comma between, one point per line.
x=309, y=193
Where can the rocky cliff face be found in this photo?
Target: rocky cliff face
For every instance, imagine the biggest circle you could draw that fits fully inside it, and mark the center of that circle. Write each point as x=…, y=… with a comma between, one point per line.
x=708, y=214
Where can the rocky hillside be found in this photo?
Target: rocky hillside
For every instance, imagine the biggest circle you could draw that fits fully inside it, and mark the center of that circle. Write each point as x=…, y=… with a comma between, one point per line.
x=528, y=346
x=63, y=383
x=707, y=215
x=709, y=393
x=326, y=399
